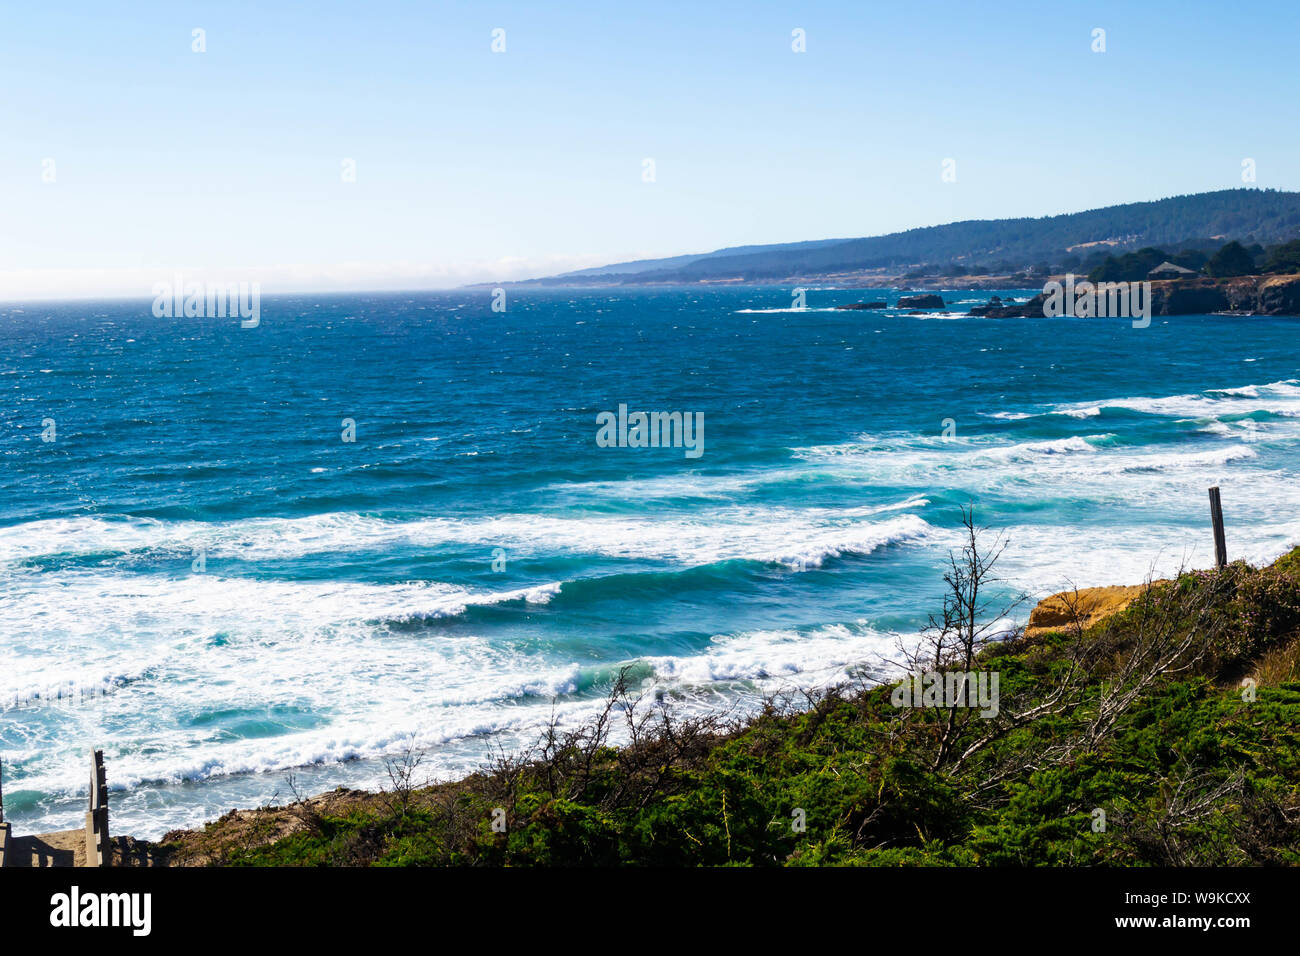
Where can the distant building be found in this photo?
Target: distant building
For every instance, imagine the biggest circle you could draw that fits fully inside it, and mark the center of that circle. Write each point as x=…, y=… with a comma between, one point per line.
x=1167, y=270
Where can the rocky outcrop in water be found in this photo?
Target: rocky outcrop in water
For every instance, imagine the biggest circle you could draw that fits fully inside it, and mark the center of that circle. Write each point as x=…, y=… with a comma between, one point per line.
x=1247, y=295
x=919, y=302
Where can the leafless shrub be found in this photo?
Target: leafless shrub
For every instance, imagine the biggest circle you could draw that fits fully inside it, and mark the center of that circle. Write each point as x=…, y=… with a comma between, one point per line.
x=301, y=808
x=581, y=763
x=954, y=638
x=659, y=745
x=399, y=796
x=1190, y=798
x=1170, y=630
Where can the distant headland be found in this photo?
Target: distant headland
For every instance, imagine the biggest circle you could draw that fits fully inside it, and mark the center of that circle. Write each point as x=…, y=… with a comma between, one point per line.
x=1181, y=233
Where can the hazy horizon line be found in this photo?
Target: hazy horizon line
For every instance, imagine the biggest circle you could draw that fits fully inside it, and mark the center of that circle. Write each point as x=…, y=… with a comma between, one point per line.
x=401, y=276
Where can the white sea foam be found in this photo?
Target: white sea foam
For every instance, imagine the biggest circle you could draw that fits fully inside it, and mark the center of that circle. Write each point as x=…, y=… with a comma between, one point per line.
x=1281, y=398
x=223, y=673
x=776, y=311
x=309, y=660
x=81, y=632
x=727, y=533
x=1085, y=411
x=772, y=659
x=322, y=672
x=990, y=463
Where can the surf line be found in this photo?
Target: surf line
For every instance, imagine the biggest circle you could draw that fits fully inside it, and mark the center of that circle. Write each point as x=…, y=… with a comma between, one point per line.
x=683, y=430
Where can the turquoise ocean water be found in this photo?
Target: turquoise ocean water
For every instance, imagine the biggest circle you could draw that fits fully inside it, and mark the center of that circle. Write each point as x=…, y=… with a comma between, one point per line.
x=201, y=577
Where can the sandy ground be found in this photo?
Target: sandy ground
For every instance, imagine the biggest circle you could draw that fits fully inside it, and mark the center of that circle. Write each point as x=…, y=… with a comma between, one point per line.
x=68, y=848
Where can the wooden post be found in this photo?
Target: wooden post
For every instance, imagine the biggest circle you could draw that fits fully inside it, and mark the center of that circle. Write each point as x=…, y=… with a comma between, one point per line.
x=99, y=851
x=4, y=827
x=1216, y=515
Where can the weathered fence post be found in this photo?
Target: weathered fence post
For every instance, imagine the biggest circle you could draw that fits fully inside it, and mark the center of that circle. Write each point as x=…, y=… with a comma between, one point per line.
x=1216, y=515
x=4, y=827
x=99, y=852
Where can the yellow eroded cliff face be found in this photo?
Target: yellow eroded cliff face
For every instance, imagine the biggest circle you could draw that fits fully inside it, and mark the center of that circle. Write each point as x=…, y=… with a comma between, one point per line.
x=1092, y=604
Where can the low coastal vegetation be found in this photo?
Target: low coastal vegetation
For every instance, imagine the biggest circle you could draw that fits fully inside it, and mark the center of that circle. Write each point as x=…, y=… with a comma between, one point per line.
x=1194, y=258
x=1164, y=734
x=1226, y=261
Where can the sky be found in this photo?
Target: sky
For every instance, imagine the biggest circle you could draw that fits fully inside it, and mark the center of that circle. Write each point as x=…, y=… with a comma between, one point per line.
x=127, y=156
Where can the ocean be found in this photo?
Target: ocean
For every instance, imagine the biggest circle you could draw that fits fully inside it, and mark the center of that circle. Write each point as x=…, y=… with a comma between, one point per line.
x=201, y=575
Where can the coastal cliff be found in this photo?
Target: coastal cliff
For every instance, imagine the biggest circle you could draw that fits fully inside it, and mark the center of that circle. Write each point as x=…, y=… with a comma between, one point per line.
x=1089, y=604
x=1245, y=295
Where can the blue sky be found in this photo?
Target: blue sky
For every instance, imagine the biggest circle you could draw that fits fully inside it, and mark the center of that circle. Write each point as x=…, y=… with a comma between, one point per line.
x=476, y=166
